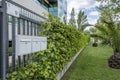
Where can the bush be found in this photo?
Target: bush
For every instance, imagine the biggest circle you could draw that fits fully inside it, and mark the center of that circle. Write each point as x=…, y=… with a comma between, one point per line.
x=63, y=43
x=95, y=44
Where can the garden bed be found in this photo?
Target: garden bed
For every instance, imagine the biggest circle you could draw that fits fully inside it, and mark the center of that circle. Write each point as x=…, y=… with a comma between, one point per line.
x=61, y=73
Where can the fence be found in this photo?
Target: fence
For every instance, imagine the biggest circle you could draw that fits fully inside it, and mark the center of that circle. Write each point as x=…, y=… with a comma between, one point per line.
x=15, y=20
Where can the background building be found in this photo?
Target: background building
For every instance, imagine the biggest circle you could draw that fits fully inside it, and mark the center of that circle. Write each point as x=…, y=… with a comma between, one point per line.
x=62, y=10
x=58, y=8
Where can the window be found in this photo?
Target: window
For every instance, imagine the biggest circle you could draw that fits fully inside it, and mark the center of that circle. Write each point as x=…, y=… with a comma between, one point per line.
x=21, y=26
x=0, y=2
x=10, y=19
x=16, y=25
x=10, y=27
x=35, y=29
x=26, y=27
x=29, y=28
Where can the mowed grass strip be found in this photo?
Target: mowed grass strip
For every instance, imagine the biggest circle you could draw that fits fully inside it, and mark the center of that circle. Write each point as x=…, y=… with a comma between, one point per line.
x=91, y=64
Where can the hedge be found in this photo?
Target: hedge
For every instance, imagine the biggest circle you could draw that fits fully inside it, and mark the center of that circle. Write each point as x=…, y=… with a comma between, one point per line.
x=64, y=42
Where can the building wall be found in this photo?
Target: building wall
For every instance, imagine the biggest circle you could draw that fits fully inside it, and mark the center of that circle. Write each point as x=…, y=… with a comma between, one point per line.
x=31, y=4
x=24, y=26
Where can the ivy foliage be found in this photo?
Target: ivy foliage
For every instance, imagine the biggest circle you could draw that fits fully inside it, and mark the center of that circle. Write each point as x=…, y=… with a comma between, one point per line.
x=63, y=43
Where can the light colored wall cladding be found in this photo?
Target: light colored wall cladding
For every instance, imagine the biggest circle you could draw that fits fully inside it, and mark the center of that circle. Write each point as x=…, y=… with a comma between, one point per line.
x=30, y=4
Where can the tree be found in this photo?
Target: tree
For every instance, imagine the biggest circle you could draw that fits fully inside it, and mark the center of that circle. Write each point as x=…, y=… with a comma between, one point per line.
x=82, y=21
x=64, y=19
x=109, y=29
x=72, y=21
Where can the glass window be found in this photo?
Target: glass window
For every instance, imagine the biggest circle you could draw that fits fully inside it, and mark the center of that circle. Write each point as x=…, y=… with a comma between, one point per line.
x=10, y=28
x=0, y=2
x=37, y=18
x=23, y=12
x=30, y=15
x=9, y=18
x=37, y=29
x=25, y=27
x=20, y=10
x=27, y=13
x=16, y=25
x=21, y=26
x=33, y=27
x=29, y=28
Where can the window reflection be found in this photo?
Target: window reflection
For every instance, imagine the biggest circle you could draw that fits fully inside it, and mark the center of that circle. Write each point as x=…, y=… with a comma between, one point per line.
x=0, y=2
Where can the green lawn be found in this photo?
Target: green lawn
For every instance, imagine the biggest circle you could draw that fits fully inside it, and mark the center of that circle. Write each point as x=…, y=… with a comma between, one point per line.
x=91, y=64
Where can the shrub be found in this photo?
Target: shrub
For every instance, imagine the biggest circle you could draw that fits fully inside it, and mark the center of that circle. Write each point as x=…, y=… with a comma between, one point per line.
x=63, y=43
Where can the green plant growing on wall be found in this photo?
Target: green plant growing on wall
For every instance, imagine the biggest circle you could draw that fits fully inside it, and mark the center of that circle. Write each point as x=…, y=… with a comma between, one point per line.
x=63, y=43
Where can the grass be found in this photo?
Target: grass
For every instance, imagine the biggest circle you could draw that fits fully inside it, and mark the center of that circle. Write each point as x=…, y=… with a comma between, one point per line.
x=91, y=64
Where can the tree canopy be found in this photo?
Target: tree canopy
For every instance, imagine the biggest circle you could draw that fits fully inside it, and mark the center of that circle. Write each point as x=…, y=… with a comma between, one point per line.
x=72, y=21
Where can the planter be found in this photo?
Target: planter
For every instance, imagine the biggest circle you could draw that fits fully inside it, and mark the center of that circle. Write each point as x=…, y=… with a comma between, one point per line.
x=61, y=73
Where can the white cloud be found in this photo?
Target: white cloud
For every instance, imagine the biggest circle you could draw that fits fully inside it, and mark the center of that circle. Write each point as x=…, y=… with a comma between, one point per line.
x=96, y=13
x=92, y=21
x=86, y=5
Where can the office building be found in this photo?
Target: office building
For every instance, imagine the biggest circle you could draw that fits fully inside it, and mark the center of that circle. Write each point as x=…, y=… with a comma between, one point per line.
x=58, y=8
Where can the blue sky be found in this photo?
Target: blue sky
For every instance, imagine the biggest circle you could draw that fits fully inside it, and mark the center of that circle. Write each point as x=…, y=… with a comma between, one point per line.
x=89, y=6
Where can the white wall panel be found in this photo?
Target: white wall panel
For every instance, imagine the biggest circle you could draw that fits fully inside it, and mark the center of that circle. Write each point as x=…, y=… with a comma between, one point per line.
x=23, y=45
x=30, y=44
x=30, y=4
x=36, y=44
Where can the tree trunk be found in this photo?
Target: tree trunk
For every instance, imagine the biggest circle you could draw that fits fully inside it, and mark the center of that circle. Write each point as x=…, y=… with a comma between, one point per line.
x=114, y=61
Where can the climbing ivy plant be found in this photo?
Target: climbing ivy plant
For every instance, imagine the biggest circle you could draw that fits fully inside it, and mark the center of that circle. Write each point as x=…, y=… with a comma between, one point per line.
x=63, y=43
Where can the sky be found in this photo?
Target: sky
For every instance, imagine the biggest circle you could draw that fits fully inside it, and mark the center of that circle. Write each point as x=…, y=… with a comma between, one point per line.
x=88, y=6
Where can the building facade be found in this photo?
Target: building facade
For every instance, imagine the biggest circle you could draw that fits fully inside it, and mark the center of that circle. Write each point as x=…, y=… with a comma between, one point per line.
x=62, y=10
x=57, y=8
x=28, y=16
